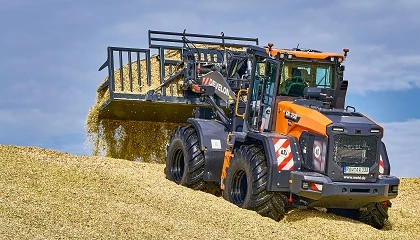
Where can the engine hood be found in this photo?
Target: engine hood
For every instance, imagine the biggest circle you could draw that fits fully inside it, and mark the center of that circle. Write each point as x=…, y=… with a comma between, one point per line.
x=351, y=122
x=342, y=116
x=293, y=118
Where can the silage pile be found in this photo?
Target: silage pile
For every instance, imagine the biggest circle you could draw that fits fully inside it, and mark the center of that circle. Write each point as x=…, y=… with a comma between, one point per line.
x=132, y=140
x=46, y=194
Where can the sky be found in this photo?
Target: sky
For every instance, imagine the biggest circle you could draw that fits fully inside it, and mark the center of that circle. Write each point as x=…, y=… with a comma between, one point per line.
x=51, y=51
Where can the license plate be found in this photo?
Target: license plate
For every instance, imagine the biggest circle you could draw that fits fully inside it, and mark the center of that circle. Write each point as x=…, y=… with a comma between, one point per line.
x=356, y=170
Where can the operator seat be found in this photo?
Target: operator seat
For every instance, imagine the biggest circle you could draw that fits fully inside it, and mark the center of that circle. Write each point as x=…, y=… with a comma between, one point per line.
x=297, y=74
x=297, y=85
x=304, y=75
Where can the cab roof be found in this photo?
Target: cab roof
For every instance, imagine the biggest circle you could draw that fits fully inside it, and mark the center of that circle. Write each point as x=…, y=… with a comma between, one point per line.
x=305, y=53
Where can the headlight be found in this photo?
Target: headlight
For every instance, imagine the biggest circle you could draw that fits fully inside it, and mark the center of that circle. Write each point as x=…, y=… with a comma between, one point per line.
x=338, y=129
x=393, y=189
x=375, y=130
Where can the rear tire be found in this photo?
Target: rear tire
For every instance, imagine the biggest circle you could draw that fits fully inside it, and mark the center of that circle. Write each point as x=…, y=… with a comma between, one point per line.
x=185, y=160
x=375, y=214
x=246, y=184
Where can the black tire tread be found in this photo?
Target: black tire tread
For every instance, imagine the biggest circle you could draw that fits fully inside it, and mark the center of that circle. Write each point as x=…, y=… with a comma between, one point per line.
x=374, y=214
x=265, y=203
x=195, y=158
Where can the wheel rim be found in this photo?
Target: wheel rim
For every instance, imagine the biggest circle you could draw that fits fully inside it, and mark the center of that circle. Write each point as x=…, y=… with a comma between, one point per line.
x=239, y=187
x=178, y=165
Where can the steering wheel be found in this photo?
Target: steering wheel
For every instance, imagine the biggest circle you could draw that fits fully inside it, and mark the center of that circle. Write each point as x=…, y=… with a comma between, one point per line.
x=295, y=86
x=299, y=79
x=295, y=80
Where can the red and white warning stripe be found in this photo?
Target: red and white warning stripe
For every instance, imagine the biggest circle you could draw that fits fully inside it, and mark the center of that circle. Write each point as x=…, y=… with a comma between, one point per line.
x=381, y=165
x=283, y=154
x=316, y=187
x=206, y=81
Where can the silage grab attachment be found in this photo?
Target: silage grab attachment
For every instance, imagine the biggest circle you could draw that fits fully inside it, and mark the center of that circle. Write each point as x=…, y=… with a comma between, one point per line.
x=155, y=87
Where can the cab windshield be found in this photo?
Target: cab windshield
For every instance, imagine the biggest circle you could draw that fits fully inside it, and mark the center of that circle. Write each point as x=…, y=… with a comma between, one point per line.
x=295, y=76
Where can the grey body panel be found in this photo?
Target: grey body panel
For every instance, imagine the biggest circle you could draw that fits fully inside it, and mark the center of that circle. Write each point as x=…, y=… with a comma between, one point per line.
x=358, y=128
x=347, y=117
x=341, y=194
x=384, y=158
x=212, y=136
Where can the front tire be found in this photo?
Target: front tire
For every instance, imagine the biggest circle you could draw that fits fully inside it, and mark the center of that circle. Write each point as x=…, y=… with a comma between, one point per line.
x=246, y=184
x=375, y=214
x=185, y=160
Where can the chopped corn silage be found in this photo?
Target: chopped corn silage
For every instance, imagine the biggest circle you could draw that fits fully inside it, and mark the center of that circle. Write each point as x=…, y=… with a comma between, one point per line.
x=133, y=140
x=46, y=194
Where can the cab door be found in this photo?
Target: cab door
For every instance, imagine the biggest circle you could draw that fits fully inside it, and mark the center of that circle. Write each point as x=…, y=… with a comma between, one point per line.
x=262, y=94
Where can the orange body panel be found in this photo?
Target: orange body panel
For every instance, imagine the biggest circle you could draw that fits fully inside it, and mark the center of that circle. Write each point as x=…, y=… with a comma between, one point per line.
x=226, y=164
x=303, y=54
x=309, y=120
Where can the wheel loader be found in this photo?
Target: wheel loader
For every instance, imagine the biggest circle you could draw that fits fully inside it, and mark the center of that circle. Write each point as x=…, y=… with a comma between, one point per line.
x=267, y=128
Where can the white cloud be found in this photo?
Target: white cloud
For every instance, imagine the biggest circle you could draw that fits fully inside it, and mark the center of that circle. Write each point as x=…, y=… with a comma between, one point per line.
x=375, y=69
x=402, y=141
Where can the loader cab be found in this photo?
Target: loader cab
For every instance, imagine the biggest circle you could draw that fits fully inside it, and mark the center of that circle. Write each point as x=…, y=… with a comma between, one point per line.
x=303, y=69
x=295, y=76
x=285, y=77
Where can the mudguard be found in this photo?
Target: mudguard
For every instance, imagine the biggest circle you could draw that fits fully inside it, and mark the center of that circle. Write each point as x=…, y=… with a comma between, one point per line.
x=212, y=137
x=283, y=156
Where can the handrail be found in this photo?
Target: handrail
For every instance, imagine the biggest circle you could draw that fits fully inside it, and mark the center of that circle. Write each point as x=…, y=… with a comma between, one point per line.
x=237, y=102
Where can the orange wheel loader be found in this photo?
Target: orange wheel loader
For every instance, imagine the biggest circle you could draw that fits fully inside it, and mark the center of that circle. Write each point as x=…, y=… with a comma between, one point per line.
x=266, y=128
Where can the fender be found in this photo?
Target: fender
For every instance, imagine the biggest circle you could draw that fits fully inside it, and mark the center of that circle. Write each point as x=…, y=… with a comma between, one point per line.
x=212, y=136
x=283, y=156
